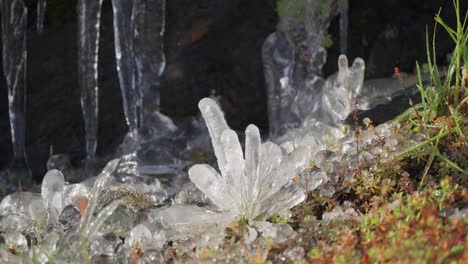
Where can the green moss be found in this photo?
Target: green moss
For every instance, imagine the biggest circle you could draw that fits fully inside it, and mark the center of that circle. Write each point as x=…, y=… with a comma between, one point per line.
x=296, y=8
x=291, y=8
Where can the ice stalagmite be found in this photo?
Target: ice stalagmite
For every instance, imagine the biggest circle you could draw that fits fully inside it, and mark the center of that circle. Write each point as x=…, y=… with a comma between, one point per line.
x=14, y=23
x=89, y=12
x=41, y=9
x=124, y=53
x=149, y=19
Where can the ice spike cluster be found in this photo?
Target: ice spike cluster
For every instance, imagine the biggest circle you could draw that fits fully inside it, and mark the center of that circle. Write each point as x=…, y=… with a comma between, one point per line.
x=254, y=183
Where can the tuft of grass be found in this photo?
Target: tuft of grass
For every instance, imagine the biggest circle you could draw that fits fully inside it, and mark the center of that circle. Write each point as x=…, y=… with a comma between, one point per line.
x=441, y=113
x=446, y=90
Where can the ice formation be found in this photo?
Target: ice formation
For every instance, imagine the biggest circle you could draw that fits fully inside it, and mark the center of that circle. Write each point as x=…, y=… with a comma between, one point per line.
x=293, y=58
x=124, y=53
x=139, y=31
x=93, y=215
x=149, y=23
x=324, y=128
x=14, y=22
x=41, y=10
x=89, y=13
x=253, y=185
x=256, y=184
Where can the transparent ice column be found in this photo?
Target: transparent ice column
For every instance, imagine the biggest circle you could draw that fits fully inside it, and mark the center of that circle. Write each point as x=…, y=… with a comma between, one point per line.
x=14, y=23
x=89, y=12
x=124, y=53
x=149, y=19
x=41, y=9
x=293, y=60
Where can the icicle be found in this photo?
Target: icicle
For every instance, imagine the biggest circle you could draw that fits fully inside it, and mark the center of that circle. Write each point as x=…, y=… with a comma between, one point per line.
x=123, y=34
x=343, y=6
x=149, y=17
x=89, y=12
x=41, y=9
x=14, y=23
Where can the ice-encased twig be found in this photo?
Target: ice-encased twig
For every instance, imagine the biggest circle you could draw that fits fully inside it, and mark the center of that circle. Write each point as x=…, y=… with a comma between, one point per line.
x=89, y=13
x=124, y=53
x=41, y=10
x=99, y=184
x=149, y=23
x=14, y=23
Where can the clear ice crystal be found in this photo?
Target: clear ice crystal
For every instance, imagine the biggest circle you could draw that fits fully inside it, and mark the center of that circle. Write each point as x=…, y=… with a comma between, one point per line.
x=41, y=10
x=43, y=251
x=14, y=223
x=149, y=26
x=183, y=218
x=14, y=33
x=340, y=90
x=188, y=221
x=139, y=236
x=74, y=192
x=293, y=58
x=278, y=233
x=89, y=13
x=23, y=211
x=102, y=216
x=247, y=184
x=15, y=241
x=52, y=192
x=124, y=53
x=311, y=180
x=99, y=184
x=313, y=135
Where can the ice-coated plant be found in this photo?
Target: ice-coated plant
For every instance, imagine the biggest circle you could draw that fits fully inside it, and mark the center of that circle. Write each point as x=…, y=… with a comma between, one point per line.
x=45, y=217
x=254, y=183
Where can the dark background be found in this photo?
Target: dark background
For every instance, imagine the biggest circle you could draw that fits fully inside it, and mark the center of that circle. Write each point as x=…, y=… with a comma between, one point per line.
x=210, y=45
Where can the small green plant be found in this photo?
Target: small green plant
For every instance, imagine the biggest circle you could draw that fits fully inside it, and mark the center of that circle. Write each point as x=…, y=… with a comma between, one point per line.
x=442, y=97
x=440, y=115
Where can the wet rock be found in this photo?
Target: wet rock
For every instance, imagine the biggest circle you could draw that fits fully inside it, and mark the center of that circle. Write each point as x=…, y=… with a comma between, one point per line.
x=70, y=216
